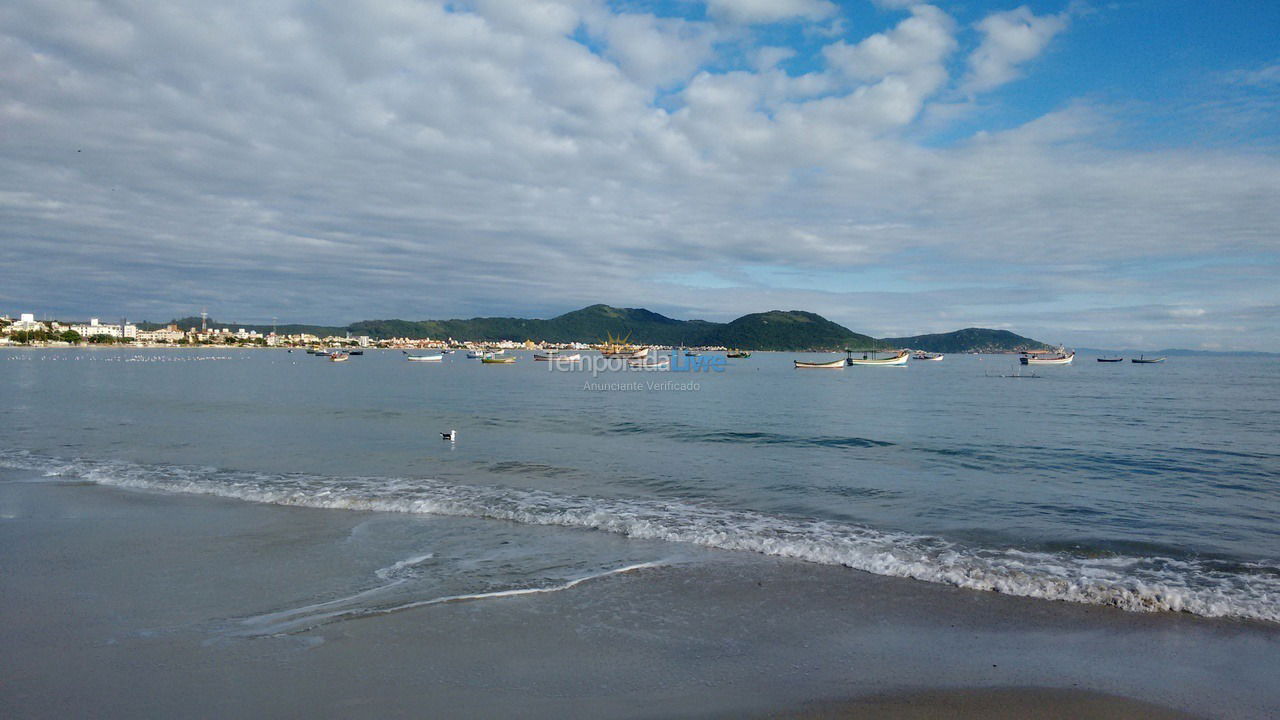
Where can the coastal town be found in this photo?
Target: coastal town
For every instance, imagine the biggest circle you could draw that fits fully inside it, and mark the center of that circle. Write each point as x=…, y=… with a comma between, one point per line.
x=27, y=331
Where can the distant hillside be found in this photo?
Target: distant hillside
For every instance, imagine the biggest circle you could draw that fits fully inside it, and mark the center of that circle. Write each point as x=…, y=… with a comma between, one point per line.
x=774, y=330
x=969, y=340
x=791, y=330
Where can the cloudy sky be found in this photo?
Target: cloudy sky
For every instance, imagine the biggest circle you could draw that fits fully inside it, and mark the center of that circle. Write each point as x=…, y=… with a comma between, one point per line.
x=1094, y=173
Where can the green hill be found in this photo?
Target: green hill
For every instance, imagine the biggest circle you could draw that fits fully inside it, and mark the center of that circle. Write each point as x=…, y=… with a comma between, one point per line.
x=775, y=330
x=772, y=330
x=969, y=340
x=791, y=330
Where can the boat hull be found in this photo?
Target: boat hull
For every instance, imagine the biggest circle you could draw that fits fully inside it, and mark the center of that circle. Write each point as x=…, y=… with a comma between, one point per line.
x=896, y=361
x=833, y=365
x=425, y=358
x=1064, y=360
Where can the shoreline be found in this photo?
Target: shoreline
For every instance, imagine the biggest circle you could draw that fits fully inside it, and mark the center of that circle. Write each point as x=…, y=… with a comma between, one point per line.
x=118, y=603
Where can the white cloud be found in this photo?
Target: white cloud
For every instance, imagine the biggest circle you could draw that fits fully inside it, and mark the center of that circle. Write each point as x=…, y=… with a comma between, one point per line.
x=922, y=40
x=1010, y=39
x=752, y=12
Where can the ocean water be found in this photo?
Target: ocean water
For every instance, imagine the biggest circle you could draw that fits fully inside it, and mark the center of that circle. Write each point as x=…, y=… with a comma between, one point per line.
x=1145, y=487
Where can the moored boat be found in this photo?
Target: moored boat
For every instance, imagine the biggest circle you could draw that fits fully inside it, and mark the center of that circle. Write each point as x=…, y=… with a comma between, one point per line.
x=899, y=359
x=491, y=360
x=1115, y=359
x=475, y=354
x=339, y=357
x=923, y=355
x=832, y=365
x=738, y=354
x=1144, y=360
x=1061, y=357
x=649, y=363
x=425, y=358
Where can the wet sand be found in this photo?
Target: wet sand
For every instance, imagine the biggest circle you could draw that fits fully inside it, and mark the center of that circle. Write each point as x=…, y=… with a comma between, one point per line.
x=124, y=604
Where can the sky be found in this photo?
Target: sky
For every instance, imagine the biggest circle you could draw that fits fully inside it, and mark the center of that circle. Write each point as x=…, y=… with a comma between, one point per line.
x=1098, y=174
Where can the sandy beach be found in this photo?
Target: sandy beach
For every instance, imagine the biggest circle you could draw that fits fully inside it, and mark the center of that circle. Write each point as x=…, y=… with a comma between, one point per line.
x=125, y=604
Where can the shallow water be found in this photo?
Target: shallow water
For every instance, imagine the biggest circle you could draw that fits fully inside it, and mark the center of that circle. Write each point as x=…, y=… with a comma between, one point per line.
x=1148, y=487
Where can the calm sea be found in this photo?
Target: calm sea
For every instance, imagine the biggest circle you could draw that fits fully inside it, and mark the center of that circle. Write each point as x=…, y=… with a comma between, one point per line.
x=1147, y=487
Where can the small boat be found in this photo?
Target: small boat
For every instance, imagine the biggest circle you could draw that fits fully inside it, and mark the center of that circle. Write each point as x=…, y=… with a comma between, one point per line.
x=1061, y=357
x=550, y=355
x=922, y=355
x=425, y=358
x=897, y=360
x=691, y=353
x=491, y=360
x=339, y=357
x=1115, y=359
x=475, y=354
x=1143, y=359
x=355, y=352
x=738, y=354
x=447, y=352
x=450, y=436
x=833, y=365
x=576, y=357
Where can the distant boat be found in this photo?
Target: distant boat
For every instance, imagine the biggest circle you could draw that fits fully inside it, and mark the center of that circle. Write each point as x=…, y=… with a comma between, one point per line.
x=491, y=360
x=339, y=357
x=447, y=352
x=549, y=355
x=691, y=353
x=898, y=360
x=922, y=355
x=833, y=365
x=576, y=357
x=1115, y=359
x=425, y=358
x=475, y=354
x=1143, y=359
x=355, y=352
x=1061, y=357
x=738, y=354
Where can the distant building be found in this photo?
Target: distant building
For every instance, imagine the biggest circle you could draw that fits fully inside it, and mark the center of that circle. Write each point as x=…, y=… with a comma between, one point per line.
x=27, y=322
x=96, y=328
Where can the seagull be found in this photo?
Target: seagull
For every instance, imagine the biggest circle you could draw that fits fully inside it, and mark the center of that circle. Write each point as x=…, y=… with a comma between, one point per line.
x=450, y=436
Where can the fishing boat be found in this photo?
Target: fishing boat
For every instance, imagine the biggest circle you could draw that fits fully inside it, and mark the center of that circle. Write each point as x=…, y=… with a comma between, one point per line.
x=619, y=349
x=425, y=358
x=1115, y=359
x=355, y=352
x=922, y=355
x=447, y=352
x=339, y=357
x=692, y=353
x=1034, y=357
x=548, y=355
x=899, y=359
x=833, y=365
x=738, y=354
x=1144, y=360
x=491, y=360
x=475, y=354
x=576, y=357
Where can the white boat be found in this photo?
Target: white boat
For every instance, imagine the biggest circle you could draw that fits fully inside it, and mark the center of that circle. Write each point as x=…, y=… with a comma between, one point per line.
x=475, y=354
x=897, y=360
x=922, y=355
x=1059, y=358
x=833, y=365
x=1144, y=360
x=550, y=355
x=566, y=359
x=425, y=358
x=339, y=357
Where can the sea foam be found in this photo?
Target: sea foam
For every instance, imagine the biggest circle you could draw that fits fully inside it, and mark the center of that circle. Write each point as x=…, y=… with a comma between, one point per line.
x=1206, y=587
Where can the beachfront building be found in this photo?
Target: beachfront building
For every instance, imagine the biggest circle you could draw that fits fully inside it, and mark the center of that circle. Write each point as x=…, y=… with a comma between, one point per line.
x=93, y=327
x=26, y=323
x=169, y=334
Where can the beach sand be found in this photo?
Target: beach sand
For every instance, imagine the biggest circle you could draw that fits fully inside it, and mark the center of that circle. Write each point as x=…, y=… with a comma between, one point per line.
x=124, y=604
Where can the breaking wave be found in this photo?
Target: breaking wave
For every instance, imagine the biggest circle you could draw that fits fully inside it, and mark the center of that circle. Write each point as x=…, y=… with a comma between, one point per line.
x=1201, y=586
